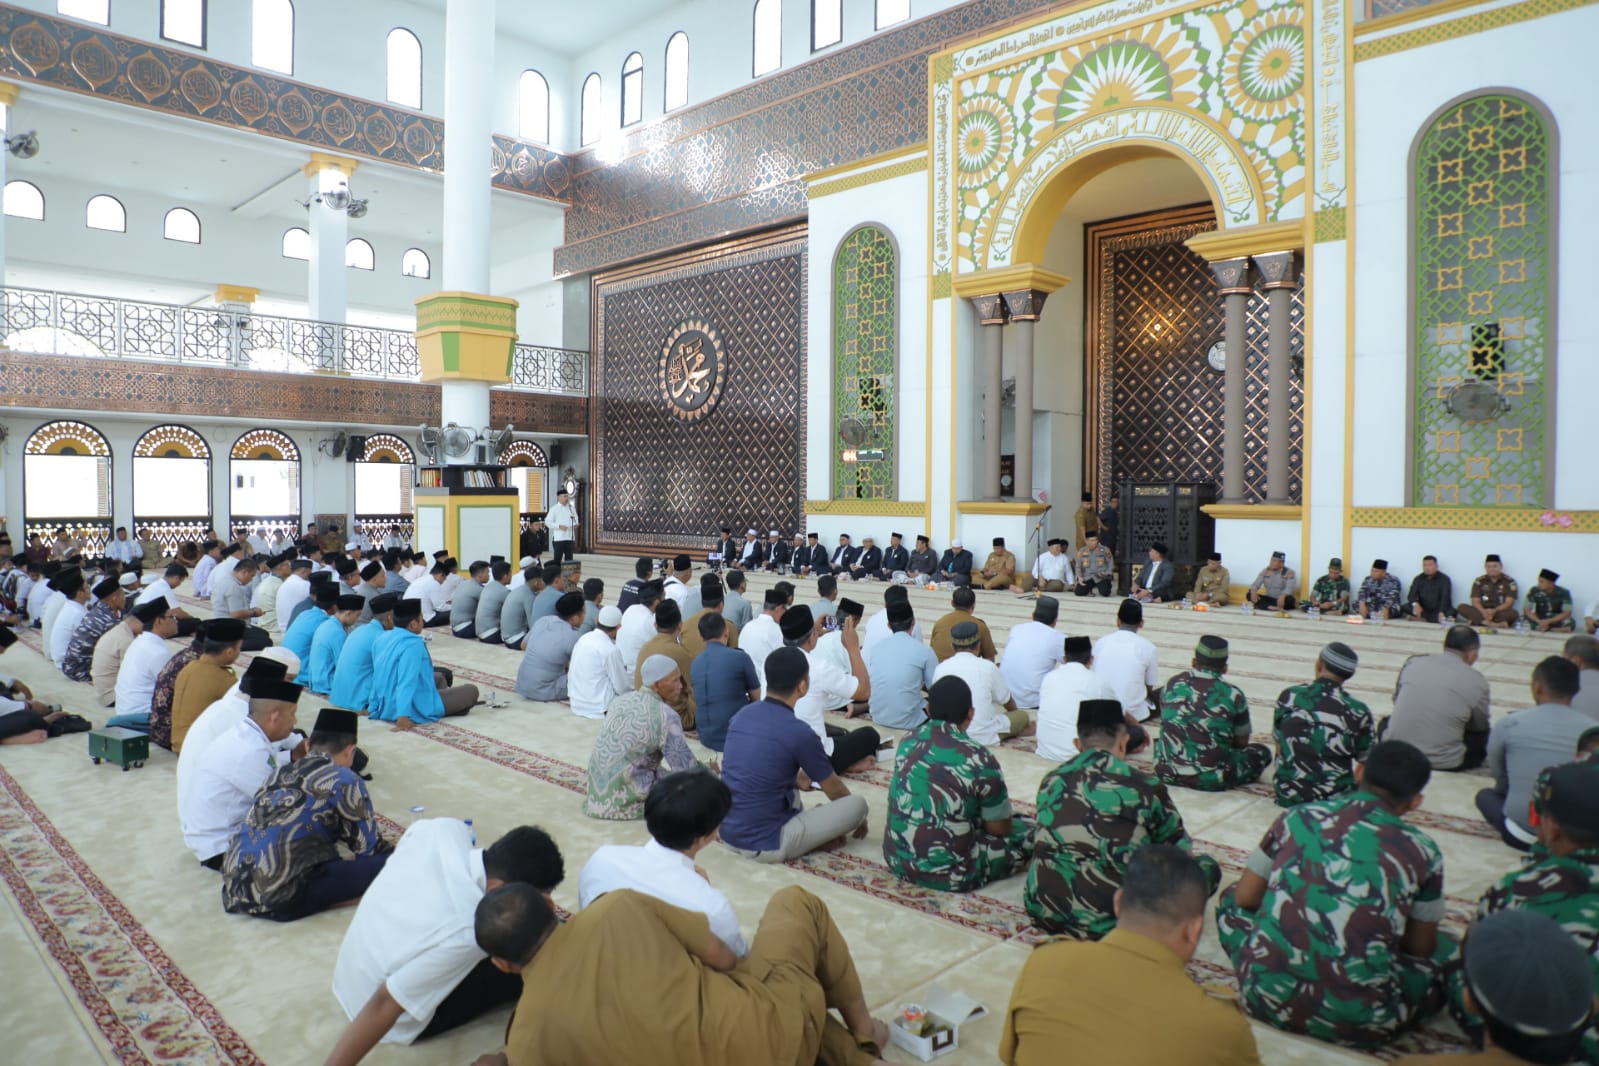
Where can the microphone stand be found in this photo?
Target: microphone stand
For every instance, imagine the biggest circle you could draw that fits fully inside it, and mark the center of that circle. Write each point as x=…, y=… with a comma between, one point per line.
x=1038, y=542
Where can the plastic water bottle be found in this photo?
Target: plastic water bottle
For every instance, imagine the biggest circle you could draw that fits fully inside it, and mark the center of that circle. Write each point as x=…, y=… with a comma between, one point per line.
x=1186, y=603
x=1314, y=612
x=471, y=831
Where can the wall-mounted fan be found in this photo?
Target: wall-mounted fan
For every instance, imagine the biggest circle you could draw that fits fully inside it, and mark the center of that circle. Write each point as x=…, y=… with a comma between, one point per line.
x=456, y=441
x=334, y=445
x=427, y=443
x=853, y=432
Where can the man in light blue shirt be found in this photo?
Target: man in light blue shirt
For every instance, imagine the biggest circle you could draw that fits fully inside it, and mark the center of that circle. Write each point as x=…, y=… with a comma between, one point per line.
x=124, y=550
x=901, y=671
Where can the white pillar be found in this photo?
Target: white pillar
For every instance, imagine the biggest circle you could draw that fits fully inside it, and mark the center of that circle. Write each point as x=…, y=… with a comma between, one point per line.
x=468, y=111
x=8, y=96
x=330, y=231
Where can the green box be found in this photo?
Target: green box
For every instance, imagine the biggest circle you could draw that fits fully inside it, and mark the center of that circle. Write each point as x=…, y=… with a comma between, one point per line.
x=125, y=747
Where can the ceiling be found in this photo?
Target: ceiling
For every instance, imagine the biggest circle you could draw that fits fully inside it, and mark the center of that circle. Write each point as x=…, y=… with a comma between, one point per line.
x=558, y=26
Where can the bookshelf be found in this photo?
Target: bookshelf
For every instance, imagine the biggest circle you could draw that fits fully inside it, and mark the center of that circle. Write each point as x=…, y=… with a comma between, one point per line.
x=467, y=509
x=461, y=476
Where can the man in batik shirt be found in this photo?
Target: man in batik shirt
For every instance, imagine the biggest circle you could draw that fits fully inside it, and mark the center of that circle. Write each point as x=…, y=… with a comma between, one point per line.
x=1380, y=595
x=1330, y=593
x=950, y=823
x=1333, y=927
x=1205, y=727
x=166, y=684
x=1321, y=731
x=1094, y=811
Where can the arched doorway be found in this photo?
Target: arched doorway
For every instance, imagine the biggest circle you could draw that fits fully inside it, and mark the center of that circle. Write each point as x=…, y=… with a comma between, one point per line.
x=66, y=484
x=171, y=486
x=384, y=476
x=527, y=464
x=264, y=484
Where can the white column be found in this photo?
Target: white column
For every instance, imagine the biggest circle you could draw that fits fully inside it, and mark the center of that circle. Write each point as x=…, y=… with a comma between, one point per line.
x=8, y=96
x=330, y=231
x=468, y=110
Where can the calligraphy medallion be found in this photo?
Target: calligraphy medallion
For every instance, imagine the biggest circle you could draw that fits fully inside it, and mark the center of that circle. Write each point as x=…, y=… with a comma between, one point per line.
x=693, y=370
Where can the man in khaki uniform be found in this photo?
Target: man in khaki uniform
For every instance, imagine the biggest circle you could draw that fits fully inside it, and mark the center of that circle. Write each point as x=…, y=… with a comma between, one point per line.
x=964, y=602
x=999, y=569
x=1273, y=588
x=1097, y=998
x=668, y=641
x=1493, y=597
x=1212, y=582
x=1086, y=519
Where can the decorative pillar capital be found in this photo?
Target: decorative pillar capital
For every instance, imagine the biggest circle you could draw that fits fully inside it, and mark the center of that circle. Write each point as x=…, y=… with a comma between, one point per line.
x=1236, y=241
x=9, y=91
x=1025, y=305
x=990, y=309
x=1278, y=270
x=465, y=336
x=235, y=294
x=1233, y=276
x=321, y=161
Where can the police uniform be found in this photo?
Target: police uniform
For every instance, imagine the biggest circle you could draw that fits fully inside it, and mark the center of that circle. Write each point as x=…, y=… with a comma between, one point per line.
x=1270, y=585
x=1003, y=565
x=1497, y=596
x=1211, y=585
x=1096, y=570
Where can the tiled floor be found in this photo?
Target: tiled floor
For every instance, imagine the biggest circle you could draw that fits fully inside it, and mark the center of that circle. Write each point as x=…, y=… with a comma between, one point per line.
x=269, y=984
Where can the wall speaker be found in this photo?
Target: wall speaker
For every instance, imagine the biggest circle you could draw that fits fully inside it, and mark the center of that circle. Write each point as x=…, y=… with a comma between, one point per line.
x=555, y=456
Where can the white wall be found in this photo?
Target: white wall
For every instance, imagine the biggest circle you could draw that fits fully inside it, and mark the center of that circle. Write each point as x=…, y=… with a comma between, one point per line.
x=1246, y=547
x=1460, y=556
x=523, y=270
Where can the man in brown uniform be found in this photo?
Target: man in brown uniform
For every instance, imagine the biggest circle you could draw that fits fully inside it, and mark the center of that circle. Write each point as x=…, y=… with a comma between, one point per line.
x=1212, y=582
x=1086, y=518
x=1493, y=597
x=964, y=602
x=999, y=569
x=667, y=641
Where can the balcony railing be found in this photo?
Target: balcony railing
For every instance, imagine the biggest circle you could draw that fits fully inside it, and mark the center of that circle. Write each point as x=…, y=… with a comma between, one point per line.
x=103, y=327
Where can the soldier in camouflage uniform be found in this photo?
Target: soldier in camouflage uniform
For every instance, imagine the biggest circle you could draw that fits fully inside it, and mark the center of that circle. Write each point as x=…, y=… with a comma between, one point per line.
x=1330, y=594
x=1094, y=811
x=1333, y=927
x=1205, y=727
x=950, y=824
x=1549, y=605
x=1560, y=879
x=1321, y=731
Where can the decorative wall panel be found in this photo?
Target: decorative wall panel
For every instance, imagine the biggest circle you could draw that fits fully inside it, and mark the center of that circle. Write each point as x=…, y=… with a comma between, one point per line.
x=865, y=350
x=663, y=476
x=1154, y=318
x=1483, y=313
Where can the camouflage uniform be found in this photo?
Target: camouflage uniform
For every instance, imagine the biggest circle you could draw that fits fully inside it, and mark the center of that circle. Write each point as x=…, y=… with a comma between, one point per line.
x=945, y=787
x=1201, y=714
x=1321, y=955
x=80, y=652
x=1329, y=589
x=1548, y=604
x=1381, y=593
x=1321, y=732
x=1094, y=811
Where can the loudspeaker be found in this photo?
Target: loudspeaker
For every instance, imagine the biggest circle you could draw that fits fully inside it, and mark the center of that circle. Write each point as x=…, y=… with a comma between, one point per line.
x=354, y=450
x=555, y=456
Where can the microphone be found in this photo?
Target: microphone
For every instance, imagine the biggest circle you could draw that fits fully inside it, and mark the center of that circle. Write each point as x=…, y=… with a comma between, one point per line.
x=1040, y=523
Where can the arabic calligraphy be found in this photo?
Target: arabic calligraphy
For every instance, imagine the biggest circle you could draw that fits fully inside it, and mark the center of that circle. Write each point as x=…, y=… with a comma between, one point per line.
x=693, y=370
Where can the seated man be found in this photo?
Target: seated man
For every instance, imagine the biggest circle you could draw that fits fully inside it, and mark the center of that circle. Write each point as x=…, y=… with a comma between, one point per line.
x=724, y=681
x=844, y=557
x=999, y=569
x=1032, y=650
x=1052, y=571
x=352, y=678
x=713, y=600
x=217, y=720
x=409, y=967
x=327, y=643
x=1549, y=606
x=1205, y=727
x=869, y=564
x=1212, y=583
x=634, y=979
x=464, y=604
x=997, y=717
x=516, y=611
x=896, y=559
x=1273, y=588
x=1060, y=695
x=956, y=565
x=682, y=813
x=491, y=601
x=1380, y=596
x=23, y=719
x=1524, y=744
x=105, y=662
x=1441, y=704
x=923, y=565
x=735, y=608
x=1330, y=593
x=1493, y=597
x=1099, y=999
x=963, y=603
x=668, y=643
x=102, y=616
x=1333, y=927
x=1431, y=595
x=826, y=604
x=1096, y=568
x=1130, y=663
x=232, y=770
x=230, y=598
x=1583, y=651
x=950, y=823
x=901, y=669
x=302, y=631
x=779, y=552
x=832, y=687
x=596, y=675
x=641, y=732
x=1154, y=580
x=1094, y=811
x=542, y=674
x=771, y=757
x=1320, y=732
x=208, y=677
x=284, y=863
x=406, y=689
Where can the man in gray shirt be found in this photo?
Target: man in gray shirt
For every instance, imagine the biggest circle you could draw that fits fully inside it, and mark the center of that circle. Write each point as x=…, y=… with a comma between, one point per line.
x=901, y=670
x=542, y=675
x=515, y=618
x=735, y=608
x=593, y=600
x=231, y=599
x=1583, y=650
x=1528, y=742
x=544, y=602
x=374, y=579
x=463, y=607
x=827, y=606
x=1441, y=704
x=486, y=622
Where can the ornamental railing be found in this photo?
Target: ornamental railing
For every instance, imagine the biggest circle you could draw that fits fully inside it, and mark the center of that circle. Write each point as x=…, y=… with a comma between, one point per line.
x=62, y=323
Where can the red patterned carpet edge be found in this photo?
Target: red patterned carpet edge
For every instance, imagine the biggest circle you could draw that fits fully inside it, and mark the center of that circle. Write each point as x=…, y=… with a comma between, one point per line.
x=139, y=999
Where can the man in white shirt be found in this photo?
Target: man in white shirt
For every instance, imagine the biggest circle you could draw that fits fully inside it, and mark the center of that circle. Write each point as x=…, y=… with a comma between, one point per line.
x=1063, y=691
x=638, y=626
x=410, y=967
x=764, y=634
x=219, y=719
x=676, y=587
x=434, y=596
x=562, y=524
x=1052, y=571
x=1130, y=664
x=39, y=597
x=265, y=594
x=830, y=689
x=295, y=591
x=682, y=812
x=63, y=588
x=122, y=549
x=1032, y=650
x=74, y=608
x=596, y=674
x=205, y=567
x=994, y=716
x=876, y=629
x=233, y=769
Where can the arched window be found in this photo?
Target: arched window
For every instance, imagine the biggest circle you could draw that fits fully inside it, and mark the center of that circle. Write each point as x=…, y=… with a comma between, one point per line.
x=87, y=10
x=768, y=36
x=105, y=212
x=632, y=89
x=358, y=254
x=405, y=68
x=272, y=35
x=892, y=11
x=865, y=339
x=527, y=464
x=415, y=264
x=264, y=481
x=533, y=107
x=24, y=200
x=383, y=478
x=589, y=120
x=183, y=21
x=827, y=23
x=181, y=224
x=676, y=71
x=171, y=485
x=66, y=482
x=1484, y=307
x=296, y=244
